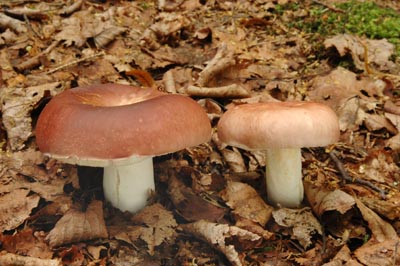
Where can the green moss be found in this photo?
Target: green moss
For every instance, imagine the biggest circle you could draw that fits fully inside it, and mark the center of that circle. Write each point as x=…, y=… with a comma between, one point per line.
x=360, y=18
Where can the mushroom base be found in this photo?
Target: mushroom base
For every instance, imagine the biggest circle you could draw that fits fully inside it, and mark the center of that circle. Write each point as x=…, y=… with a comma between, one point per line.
x=284, y=177
x=127, y=187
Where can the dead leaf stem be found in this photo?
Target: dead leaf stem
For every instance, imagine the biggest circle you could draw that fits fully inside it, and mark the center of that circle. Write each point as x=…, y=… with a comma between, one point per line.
x=348, y=178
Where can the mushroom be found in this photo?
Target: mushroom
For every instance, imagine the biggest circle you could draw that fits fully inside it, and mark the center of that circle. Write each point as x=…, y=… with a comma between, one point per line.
x=280, y=129
x=120, y=128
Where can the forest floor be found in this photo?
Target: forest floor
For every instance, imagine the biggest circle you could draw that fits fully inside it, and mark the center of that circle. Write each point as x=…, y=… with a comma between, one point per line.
x=210, y=204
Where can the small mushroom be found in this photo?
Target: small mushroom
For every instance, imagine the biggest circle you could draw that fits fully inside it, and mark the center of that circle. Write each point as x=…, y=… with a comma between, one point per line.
x=120, y=128
x=280, y=129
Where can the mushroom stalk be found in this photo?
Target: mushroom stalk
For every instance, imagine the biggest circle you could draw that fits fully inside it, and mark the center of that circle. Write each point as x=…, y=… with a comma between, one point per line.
x=284, y=177
x=127, y=187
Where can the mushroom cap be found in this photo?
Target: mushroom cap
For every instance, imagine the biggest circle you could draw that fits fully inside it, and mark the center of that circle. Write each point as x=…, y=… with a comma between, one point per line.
x=279, y=125
x=113, y=124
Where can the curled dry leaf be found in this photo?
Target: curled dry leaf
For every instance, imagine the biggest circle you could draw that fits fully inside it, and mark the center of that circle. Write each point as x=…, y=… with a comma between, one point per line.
x=15, y=208
x=303, y=223
x=9, y=259
x=217, y=236
x=245, y=202
x=323, y=201
x=159, y=226
x=229, y=91
x=77, y=225
x=221, y=61
x=17, y=104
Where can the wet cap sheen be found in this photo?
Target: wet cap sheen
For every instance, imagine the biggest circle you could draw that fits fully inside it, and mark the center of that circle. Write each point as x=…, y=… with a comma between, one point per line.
x=99, y=123
x=279, y=125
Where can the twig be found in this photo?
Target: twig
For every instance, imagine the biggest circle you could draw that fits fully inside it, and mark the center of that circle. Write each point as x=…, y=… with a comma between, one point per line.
x=35, y=61
x=346, y=176
x=75, y=62
x=329, y=6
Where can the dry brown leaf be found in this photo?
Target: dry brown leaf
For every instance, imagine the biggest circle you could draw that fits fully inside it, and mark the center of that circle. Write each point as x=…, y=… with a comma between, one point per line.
x=303, y=223
x=17, y=104
x=343, y=257
x=388, y=208
x=217, y=234
x=385, y=253
x=374, y=122
x=379, y=166
x=77, y=225
x=159, y=227
x=234, y=159
x=12, y=23
x=9, y=259
x=340, y=85
x=381, y=230
x=379, y=51
x=191, y=206
x=323, y=201
x=15, y=208
x=107, y=35
x=28, y=243
x=168, y=24
x=245, y=202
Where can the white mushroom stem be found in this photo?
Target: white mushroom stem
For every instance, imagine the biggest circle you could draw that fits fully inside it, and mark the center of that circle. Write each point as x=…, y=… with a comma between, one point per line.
x=127, y=187
x=284, y=177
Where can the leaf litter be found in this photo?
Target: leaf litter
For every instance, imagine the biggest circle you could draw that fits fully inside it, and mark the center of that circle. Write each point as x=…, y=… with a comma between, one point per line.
x=209, y=206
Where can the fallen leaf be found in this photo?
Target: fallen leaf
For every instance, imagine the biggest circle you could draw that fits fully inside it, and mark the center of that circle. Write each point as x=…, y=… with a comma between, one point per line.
x=343, y=257
x=385, y=253
x=381, y=230
x=9, y=259
x=323, y=201
x=159, y=225
x=234, y=159
x=379, y=51
x=245, y=202
x=302, y=222
x=16, y=207
x=17, y=105
x=191, y=206
x=217, y=236
x=77, y=226
x=28, y=243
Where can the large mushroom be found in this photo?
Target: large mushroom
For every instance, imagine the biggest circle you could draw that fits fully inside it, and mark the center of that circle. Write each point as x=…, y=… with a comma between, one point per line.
x=280, y=129
x=120, y=128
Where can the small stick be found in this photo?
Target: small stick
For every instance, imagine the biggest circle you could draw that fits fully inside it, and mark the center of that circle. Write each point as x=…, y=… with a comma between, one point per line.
x=329, y=6
x=360, y=181
x=35, y=61
x=75, y=62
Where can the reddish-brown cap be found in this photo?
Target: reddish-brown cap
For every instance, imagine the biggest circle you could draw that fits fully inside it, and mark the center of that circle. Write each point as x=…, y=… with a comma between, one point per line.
x=277, y=125
x=92, y=125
